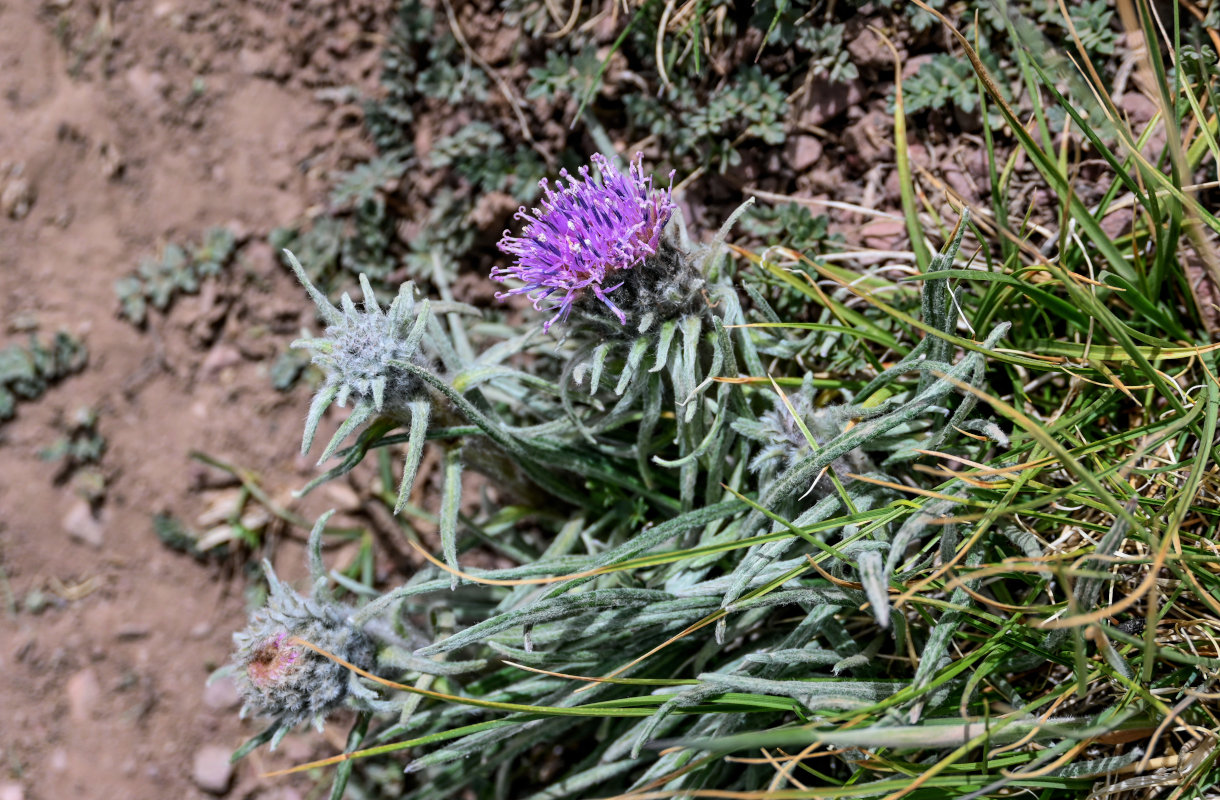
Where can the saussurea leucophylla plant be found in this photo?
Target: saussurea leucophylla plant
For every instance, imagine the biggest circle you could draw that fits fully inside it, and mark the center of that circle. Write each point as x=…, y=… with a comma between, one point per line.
x=783, y=632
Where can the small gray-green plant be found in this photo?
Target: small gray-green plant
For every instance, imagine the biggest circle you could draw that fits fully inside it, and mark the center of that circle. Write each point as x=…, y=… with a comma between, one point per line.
x=179, y=270
x=563, y=74
x=27, y=372
x=175, y=535
x=791, y=225
x=945, y=81
x=78, y=453
x=711, y=127
x=830, y=59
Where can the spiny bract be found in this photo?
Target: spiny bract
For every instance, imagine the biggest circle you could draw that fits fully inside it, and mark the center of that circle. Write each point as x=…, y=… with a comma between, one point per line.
x=360, y=352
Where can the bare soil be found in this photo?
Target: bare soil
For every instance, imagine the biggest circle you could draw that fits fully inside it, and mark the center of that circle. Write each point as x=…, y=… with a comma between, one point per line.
x=134, y=124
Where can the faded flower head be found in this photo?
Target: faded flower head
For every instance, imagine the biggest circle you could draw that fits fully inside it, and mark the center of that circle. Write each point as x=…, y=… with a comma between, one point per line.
x=784, y=443
x=583, y=235
x=359, y=353
x=273, y=661
x=278, y=676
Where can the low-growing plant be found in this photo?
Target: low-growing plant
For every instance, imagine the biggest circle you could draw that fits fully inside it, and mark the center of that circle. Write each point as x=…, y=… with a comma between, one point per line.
x=78, y=453
x=179, y=270
x=27, y=372
x=777, y=525
x=830, y=59
x=791, y=543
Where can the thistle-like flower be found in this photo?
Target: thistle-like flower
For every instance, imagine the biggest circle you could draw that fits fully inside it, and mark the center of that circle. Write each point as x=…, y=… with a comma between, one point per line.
x=586, y=239
x=359, y=352
x=642, y=304
x=376, y=358
x=279, y=677
x=781, y=434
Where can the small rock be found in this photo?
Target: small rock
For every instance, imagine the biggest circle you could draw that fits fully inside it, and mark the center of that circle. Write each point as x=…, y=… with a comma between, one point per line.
x=83, y=692
x=493, y=208
x=254, y=62
x=828, y=100
x=961, y=183
x=131, y=631
x=919, y=155
x=884, y=234
x=213, y=772
x=871, y=138
x=17, y=196
x=914, y=64
x=58, y=760
x=200, y=630
x=148, y=87
x=222, y=694
x=81, y=525
x=112, y=162
x=803, y=152
x=1117, y=223
x=36, y=601
x=218, y=358
x=11, y=791
x=866, y=48
x=1139, y=108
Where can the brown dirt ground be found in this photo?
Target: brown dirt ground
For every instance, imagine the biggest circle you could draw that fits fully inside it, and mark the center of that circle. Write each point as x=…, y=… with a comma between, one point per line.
x=139, y=123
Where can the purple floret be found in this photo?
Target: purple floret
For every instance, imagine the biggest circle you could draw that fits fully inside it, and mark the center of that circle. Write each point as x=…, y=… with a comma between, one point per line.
x=583, y=234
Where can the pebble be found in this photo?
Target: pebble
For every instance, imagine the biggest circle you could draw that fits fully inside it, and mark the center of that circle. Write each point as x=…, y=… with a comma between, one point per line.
x=1139, y=108
x=16, y=198
x=827, y=100
x=81, y=525
x=83, y=692
x=11, y=791
x=219, y=358
x=883, y=233
x=148, y=87
x=131, y=631
x=222, y=694
x=213, y=772
x=804, y=152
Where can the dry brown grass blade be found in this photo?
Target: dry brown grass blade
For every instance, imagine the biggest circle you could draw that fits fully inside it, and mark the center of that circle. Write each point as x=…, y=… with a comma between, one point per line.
x=783, y=771
x=902, y=487
x=703, y=623
x=1145, y=586
x=571, y=677
x=436, y=562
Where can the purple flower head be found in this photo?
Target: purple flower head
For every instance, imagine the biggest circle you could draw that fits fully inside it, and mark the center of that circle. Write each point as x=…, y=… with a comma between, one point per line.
x=583, y=233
